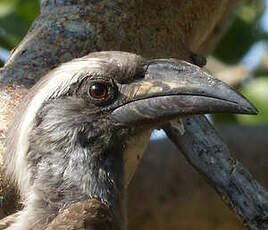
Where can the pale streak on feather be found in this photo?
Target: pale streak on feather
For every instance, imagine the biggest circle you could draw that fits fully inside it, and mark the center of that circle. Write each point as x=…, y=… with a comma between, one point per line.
x=55, y=85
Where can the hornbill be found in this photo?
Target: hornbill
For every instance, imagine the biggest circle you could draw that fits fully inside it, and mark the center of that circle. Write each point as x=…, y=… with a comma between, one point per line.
x=81, y=130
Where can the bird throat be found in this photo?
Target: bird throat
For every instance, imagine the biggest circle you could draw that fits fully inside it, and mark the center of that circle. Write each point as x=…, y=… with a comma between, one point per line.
x=135, y=147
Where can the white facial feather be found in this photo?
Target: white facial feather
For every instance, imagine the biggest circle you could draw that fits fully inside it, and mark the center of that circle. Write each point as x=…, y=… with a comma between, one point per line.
x=53, y=85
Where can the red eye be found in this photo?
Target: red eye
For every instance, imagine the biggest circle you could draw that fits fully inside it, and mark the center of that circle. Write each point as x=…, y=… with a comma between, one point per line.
x=98, y=91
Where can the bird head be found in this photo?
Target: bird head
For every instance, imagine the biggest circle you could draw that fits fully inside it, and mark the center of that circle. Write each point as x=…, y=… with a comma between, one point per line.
x=80, y=127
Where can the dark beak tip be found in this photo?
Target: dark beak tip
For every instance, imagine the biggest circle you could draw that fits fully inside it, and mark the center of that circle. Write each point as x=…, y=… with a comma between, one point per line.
x=244, y=106
x=253, y=110
x=248, y=108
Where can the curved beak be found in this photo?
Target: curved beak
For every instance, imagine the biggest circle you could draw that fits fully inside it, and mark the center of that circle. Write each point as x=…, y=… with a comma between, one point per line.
x=172, y=88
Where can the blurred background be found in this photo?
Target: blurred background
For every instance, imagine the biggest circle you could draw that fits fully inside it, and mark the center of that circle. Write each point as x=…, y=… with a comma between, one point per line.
x=241, y=60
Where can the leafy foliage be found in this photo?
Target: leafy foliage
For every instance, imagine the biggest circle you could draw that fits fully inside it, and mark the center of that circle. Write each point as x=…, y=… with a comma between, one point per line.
x=16, y=17
x=257, y=92
x=243, y=33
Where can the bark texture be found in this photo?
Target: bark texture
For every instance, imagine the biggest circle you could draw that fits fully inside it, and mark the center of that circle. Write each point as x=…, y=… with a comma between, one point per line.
x=207, y=153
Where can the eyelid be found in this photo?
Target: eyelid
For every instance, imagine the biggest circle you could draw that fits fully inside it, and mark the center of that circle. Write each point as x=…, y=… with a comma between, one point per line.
x=99, y=78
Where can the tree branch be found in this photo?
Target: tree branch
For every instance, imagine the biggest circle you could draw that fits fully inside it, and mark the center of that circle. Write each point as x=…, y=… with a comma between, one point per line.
x=207, y=153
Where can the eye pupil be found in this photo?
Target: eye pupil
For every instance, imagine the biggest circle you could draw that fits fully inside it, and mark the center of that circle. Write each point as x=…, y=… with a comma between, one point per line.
x=98, y=91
